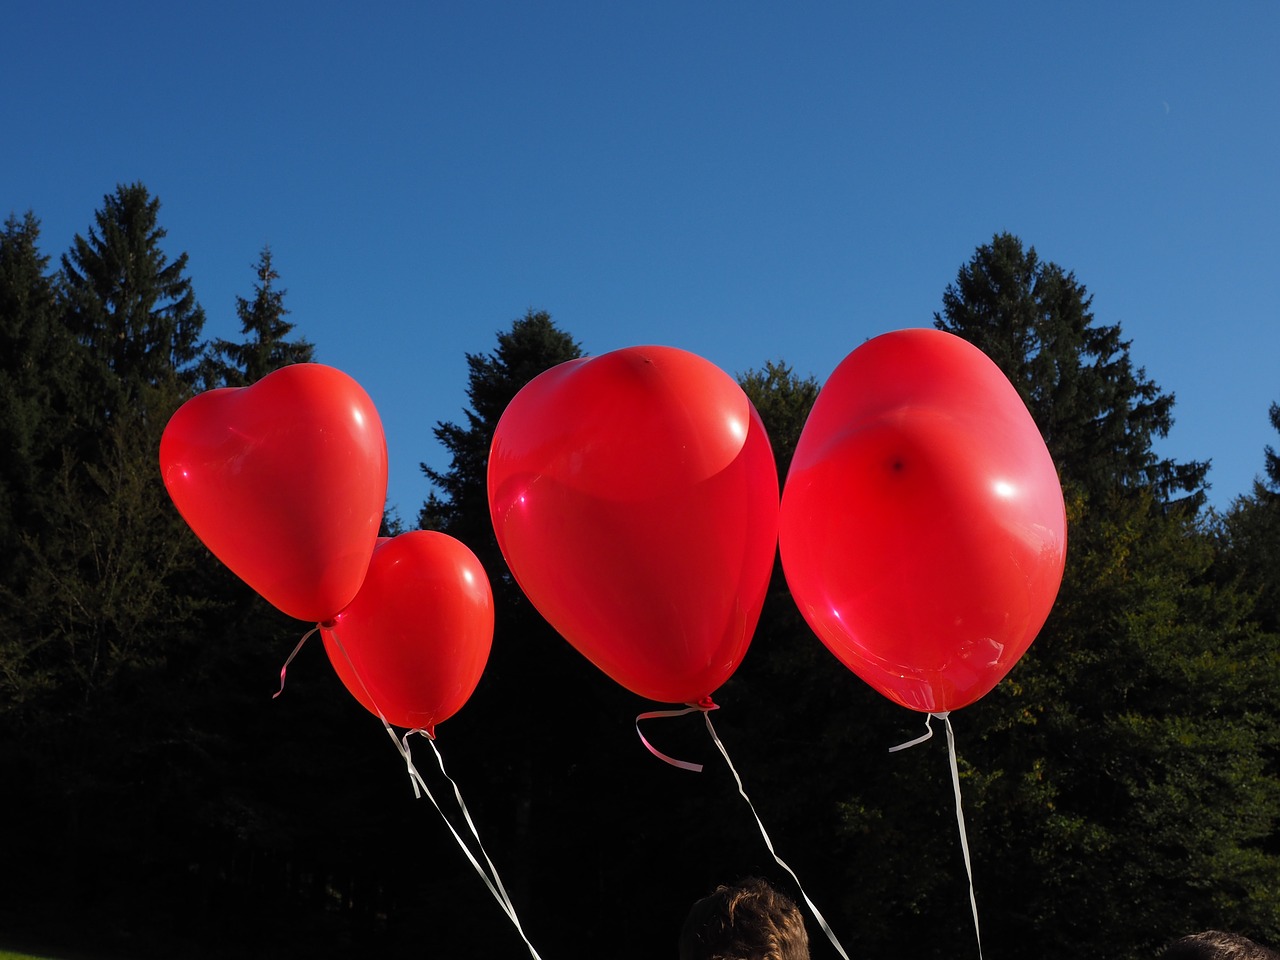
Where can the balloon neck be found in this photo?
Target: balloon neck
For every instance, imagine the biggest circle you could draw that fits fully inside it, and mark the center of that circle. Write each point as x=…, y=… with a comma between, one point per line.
x=327, y=624
x=706, y=705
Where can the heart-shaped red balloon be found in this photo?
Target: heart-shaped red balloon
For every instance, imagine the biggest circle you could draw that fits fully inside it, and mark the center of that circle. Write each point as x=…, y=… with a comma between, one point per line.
x=413, y=644
x=285, y=482
x=922, y=529
x=635, y=498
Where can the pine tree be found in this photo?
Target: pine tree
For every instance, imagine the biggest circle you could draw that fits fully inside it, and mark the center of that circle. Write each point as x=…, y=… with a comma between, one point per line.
x=230, y=364
x=783, y=400
x=39, y=372
x=1120, y=780
x=98, y=597
x=1250, y=534
x=565, y=815
x=125, y=299
x=37, y=375
x=533, y=344
x=1098, y=414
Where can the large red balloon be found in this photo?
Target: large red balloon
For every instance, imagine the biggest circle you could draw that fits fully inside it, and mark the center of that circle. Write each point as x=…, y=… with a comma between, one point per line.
x=922, y=528
x=413, y=644
x=285, y=482
x=635, y=499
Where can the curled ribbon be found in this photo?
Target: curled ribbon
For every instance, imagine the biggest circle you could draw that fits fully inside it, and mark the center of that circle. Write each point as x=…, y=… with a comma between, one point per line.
x=288, y=660
x=705, y=705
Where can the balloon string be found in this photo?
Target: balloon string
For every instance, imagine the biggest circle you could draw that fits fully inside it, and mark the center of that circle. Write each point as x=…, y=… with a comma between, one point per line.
x=964, y=840
x=928, y=735
x=955, y=784
x=420, y=787
x=769, y=843
x=705, y=706
x=494, y=885
x=296, y=650
x=466, y=814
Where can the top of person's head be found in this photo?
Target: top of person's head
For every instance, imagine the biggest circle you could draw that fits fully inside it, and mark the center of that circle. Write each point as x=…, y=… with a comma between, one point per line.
x=1216, y=945
x=748, y=920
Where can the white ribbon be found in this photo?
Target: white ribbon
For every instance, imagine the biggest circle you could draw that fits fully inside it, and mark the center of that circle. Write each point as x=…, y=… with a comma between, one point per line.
x=945, y=717
x=288, y=660
x=769, y=843
x=704, y=706
x=420, y=787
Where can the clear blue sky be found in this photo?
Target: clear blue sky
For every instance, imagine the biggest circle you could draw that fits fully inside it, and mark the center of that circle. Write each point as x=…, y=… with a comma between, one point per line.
x=744, y=180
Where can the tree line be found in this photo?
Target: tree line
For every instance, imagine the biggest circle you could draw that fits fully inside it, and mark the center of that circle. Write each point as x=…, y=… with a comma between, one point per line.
x=1120, y=786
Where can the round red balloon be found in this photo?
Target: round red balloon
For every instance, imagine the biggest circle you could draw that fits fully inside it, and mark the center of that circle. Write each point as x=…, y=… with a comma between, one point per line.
x=413, y=644
x=285, y=482
x=635, y=498
x=922, y=528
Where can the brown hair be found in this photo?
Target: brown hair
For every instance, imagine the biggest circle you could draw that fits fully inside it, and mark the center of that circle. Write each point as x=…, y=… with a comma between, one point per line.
x=746, y=921
x=1216, y=945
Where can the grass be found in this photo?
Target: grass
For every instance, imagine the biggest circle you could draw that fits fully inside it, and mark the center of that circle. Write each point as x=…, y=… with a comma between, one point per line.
x=15, y=955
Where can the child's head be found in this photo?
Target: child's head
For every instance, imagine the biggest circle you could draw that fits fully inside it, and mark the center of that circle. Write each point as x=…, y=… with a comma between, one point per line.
x=746, y=921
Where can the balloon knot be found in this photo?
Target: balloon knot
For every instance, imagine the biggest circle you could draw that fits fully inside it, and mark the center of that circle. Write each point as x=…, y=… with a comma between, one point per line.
x=327, y=624
x=706, y=705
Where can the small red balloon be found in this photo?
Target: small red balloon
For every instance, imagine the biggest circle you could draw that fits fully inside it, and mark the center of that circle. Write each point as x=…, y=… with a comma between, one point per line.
x=285, y=482
x=413, y=644
x=635, y=498
x=922, y=528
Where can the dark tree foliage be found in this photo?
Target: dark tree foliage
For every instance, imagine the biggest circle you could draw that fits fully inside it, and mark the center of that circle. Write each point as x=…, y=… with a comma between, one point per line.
x=153, y=793
x=266, y=347
x=532, y=345
x=1132, y=752
x=571, y=806
x=97, y=597
x=38, y=374
x=1119, y=787
x=1250, y=534
x=783, y=400
x=126, y=301
x=1109, y=776
x=1098, y=414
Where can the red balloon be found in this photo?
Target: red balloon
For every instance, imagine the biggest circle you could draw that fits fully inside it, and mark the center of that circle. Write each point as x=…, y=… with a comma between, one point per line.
x=413, y=644
x=635, y=499
x=285, y=482
x=922, y=528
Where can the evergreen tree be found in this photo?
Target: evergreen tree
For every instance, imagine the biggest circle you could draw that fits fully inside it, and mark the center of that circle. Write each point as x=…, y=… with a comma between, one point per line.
x=230, y=364
x=1109, y=775
x=108, y=594
x=1131, y=753
x=132, y=307
x=37, y=375
x=1251, y=538
x=566, y=816
x=783, y=400
x=39, y=367
x=533, y=344
x=1098, y=414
